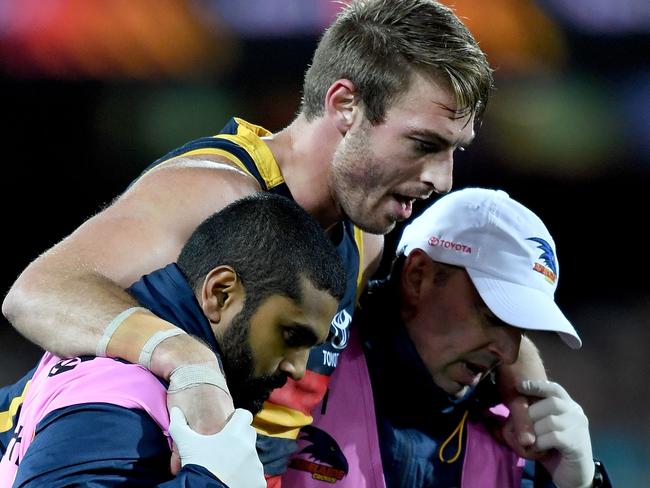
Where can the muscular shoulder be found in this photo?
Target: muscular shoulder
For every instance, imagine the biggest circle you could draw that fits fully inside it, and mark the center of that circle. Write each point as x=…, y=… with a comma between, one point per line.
x=208, y=178
x=204, y=161
x=161, y=210
x=146, y=227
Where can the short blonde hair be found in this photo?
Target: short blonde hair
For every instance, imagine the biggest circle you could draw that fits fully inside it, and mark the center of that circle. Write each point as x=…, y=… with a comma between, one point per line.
x=378, y=44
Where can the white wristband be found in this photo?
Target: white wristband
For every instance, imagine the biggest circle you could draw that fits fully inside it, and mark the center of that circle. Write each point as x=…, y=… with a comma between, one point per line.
x=153, y=342
x=102, y=345
x=190, y=375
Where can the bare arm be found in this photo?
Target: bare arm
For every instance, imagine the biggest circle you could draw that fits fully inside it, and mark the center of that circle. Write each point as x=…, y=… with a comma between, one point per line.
x=518, y=431
x=66, y=297
x=528, y=366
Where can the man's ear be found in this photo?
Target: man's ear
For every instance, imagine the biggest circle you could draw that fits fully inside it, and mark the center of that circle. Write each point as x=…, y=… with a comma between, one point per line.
x=416, y=273
x=222, y=295
x=342, y=105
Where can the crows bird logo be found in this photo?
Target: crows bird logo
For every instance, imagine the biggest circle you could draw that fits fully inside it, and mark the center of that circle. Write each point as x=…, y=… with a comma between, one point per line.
x=548, y=256
x=323, y=448
x=329, y=463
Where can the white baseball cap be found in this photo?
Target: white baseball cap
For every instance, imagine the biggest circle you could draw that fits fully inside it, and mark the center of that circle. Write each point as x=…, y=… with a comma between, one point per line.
x=507, y=252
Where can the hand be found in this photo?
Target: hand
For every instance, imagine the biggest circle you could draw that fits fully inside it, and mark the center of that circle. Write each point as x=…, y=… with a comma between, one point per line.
x=230, y=454
x=206, y=407
x=561, y=426
x=518, y=431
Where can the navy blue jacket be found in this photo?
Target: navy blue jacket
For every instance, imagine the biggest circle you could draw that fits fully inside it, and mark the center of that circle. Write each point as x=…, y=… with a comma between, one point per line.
x=104, y=445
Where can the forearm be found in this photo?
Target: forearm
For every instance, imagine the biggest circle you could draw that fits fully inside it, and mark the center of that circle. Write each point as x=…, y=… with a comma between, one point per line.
x=65, y=313
x=518, y=432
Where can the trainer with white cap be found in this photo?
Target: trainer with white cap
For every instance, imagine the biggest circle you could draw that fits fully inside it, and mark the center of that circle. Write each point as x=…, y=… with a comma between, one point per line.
x=472, y=274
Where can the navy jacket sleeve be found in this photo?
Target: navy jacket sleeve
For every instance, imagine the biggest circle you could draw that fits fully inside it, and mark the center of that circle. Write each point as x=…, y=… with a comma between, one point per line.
x=103, y=445
x=8, y=395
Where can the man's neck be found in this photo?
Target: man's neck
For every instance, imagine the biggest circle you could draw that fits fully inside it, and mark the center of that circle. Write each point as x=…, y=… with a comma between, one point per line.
x=304, y=152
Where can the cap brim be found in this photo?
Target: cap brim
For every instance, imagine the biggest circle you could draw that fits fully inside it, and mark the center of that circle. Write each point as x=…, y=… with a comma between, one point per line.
x=523, y=307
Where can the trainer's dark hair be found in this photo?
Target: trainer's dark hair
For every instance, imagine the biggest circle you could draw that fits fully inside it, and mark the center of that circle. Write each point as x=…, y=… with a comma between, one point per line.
x=270, y=242
x=379, y=44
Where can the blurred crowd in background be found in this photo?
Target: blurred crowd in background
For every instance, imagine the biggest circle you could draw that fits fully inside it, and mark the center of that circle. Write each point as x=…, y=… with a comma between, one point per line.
x=92, y=91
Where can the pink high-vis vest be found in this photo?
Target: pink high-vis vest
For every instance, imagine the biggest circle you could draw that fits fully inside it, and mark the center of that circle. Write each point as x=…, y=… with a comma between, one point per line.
x=59, y=383
x=349, y=420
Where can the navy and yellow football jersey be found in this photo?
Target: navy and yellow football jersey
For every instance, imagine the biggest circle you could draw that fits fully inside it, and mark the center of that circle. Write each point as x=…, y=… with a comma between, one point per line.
x=289, y=408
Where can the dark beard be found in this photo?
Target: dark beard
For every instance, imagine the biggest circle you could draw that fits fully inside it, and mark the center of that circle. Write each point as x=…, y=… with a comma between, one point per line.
x=248, y=391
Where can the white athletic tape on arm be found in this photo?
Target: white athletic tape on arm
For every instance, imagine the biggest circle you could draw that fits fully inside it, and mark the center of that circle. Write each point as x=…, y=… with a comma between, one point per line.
x=190, y=375
x=102, y=345
x=153, y=342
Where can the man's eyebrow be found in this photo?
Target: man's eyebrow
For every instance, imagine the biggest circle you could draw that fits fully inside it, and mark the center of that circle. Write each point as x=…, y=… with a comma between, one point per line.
x=440, y=139
x=490, y=316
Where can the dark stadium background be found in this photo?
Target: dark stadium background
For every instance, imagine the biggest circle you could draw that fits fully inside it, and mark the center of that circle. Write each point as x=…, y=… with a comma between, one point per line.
x=88, y=101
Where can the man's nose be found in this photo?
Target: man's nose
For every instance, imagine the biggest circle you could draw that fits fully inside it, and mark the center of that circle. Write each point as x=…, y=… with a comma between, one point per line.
x=295, y=364
x=438, y=172
x=506, y=343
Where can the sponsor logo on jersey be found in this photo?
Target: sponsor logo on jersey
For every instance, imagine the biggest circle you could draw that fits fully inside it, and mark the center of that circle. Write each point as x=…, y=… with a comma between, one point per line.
x=68, y=364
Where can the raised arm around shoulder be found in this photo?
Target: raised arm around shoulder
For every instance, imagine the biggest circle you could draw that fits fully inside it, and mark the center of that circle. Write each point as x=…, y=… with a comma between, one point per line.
x=65, y=298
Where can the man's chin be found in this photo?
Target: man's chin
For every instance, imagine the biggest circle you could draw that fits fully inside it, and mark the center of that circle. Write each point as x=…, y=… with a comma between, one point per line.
x=255, y=405
x=377, y=228
x=254, y=391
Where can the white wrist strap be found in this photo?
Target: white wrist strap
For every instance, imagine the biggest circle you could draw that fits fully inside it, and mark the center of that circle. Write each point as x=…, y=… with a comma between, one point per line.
x=102, y=345
x=153, y=342
x=190, y=375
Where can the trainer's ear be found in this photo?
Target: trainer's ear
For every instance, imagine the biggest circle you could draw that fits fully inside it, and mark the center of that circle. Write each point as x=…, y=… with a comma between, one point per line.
x=417, y=269
x=342, y=105
x=222, y=296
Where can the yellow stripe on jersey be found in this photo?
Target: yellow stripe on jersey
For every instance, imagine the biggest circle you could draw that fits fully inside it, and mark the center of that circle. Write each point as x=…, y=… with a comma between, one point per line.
x=248, y=137
x=7, y=415
x=358, y=239
x=278, y=421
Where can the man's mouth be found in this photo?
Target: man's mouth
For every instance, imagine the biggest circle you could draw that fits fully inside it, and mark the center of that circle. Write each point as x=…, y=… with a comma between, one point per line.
x=475, y=369
x=405, y=201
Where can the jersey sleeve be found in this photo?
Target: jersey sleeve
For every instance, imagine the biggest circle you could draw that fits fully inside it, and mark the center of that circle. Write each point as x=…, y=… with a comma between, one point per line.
x=11, y=399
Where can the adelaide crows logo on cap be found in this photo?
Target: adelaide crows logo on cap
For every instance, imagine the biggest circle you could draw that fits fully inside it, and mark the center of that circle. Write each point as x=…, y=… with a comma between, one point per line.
x=548, y=257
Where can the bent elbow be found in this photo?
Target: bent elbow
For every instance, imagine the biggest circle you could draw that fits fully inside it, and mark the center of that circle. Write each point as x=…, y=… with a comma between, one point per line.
x=13, y=302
